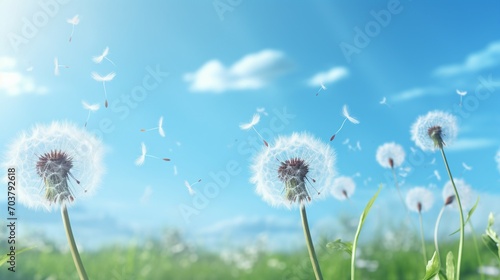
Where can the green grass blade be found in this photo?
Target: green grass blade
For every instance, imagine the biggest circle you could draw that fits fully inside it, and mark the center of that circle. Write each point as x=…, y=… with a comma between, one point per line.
x=338, y=245
x=358, y=231
x=490, y=238
x=471, y=211
x=6, y=257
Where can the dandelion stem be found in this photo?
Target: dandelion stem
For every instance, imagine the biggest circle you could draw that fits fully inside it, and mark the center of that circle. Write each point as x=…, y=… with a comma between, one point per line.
x=462, y=233
x=397, y=188
x=438, y=220
x=310, y=246
x=424, y=252
x=71, y=240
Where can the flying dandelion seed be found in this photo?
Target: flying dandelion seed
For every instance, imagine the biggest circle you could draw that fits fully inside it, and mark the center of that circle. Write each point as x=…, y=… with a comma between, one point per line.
x=73, y=21
x=29, y=69
x=90, y=108
x=251, y=125
x=57, y=66
x=104, y=79
x=140, y=160
x=175, y=170
x=347, y=116
x=159, y=127
x=384, y=102
x=466, y=167
x=462, y=94
x=323, y=87
x=343, y=188
x=436, y=174
x=98, y=59
x=190, y=186
x=262, y=110
x=346, y=141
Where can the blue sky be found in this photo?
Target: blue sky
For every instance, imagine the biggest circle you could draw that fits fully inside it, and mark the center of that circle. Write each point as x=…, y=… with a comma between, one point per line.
x=206, y=66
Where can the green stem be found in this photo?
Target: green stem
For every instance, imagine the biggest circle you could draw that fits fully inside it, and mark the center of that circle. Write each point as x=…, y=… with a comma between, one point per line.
x=310, y=246
x=436, y=232
x=424, y=252
x=72, y=244
x=462, y=232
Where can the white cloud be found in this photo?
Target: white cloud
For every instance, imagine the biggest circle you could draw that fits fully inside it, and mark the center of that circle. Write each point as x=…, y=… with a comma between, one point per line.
x=470, y=144
x=13, y=82
x=253, y=71
x=331, y=76
x=480, y=60
x=414, y=93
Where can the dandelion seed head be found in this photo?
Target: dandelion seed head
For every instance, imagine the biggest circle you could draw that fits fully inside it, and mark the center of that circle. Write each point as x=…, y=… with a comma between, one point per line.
x=55, y=164
x=419, y=199
x=390, y=155
x=464, y=191
x=345, y=113
x=434, y=130
x=284, y=171
x=343, y=187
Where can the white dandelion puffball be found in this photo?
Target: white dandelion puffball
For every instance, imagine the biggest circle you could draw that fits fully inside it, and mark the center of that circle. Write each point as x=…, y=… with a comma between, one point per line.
x=343, y=187
x=390, y=155
x=419, y=199
x=293, y=170
x=55, y=164
x=434, y=130
x=464, y=191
